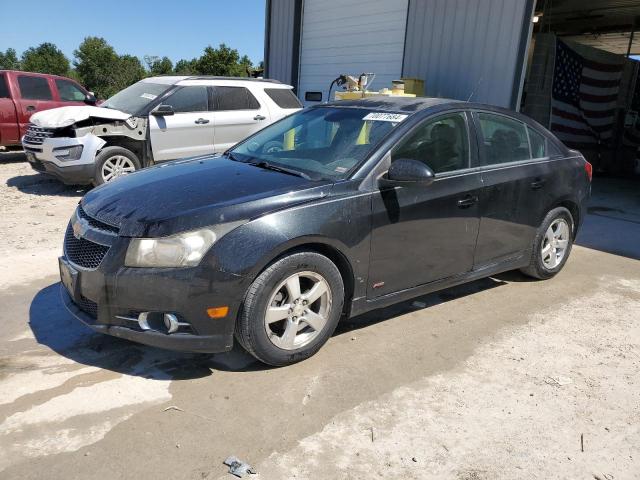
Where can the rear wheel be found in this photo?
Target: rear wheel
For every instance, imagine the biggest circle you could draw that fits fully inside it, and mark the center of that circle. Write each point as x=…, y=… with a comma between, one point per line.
x=291, y=309
x=552, y=244
x=114, y=162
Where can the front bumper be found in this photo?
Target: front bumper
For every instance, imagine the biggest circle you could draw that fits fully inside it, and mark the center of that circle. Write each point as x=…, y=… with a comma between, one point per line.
x=42, y=157
x=109, y=297
x=178, y=341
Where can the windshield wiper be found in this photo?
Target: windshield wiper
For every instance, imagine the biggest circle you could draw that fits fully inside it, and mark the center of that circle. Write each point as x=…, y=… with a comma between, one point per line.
x=234, y=157
x=276, y=168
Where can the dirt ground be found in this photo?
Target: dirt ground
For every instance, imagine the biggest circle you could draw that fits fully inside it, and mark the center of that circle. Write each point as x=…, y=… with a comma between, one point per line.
x=503, y=378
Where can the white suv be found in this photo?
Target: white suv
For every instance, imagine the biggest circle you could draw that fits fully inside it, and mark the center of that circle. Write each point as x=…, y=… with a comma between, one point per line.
x=154, y=120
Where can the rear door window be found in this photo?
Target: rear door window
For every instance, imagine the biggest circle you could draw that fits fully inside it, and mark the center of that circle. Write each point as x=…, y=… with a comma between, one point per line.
x=34, y=88
x=189, y=99
x=283, y=97
x=235, y=98
x=503, y=139
x=69, y=91
x=4, y=88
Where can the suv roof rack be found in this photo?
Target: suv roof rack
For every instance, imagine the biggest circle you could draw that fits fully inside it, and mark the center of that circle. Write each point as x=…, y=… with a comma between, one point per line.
x=246, y=79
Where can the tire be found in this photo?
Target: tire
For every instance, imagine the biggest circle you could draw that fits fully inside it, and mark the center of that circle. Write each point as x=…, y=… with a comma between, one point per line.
x=272, y=343
x=546, y=265
x=120, y=155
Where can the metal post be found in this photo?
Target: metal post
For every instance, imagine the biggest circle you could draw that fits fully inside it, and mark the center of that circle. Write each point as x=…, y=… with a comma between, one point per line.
x=633, y=27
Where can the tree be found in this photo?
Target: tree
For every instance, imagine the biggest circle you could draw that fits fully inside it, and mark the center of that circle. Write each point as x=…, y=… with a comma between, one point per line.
x=9, y=60
x=223, y=61
x=129, y=71
x=96, y=63
x=45, y=58
x=159, y=66
x=186, y=67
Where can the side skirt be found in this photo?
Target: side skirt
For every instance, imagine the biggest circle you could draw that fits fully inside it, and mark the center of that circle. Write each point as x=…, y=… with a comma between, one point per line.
x=362, y=305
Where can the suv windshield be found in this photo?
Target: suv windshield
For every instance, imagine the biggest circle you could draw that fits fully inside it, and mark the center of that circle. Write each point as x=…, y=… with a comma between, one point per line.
x=134, y=98
x=322, y=142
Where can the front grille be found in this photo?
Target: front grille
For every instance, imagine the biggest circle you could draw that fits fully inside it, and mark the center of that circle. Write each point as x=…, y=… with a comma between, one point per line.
x=88, y=306
x=94, y=222
x=82, y=252
x=36, y=135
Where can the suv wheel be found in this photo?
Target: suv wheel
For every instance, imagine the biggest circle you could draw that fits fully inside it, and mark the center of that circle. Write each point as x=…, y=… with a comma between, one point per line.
x=552, y=244
x=291, y=309
x=114, y=162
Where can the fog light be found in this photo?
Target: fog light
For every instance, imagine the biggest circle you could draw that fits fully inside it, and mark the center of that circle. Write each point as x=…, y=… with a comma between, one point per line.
x=68, y=153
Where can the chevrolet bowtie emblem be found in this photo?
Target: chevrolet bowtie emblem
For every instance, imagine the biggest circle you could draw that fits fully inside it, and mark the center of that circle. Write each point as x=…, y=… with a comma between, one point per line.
x=79, y=227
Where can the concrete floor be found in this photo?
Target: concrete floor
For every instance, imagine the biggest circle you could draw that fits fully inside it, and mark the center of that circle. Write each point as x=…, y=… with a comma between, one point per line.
x=501, y=378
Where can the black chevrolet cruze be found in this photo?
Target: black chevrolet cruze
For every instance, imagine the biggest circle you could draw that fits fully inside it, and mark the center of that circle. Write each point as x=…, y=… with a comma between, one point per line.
x=331, y=212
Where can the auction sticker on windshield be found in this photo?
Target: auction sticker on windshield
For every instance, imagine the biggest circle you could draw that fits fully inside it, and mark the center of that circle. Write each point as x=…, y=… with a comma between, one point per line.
x=385, y=117
x=149, y=96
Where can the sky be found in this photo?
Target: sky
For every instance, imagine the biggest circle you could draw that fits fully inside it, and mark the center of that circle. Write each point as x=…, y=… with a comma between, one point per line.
x=177, y=29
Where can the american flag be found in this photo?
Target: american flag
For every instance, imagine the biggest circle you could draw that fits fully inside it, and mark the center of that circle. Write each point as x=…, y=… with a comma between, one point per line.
x=583, y=98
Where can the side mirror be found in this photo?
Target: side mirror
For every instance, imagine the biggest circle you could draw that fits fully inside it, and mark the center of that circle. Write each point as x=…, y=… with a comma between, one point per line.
x=407, y=172
x=90, y=98
x=163, y=111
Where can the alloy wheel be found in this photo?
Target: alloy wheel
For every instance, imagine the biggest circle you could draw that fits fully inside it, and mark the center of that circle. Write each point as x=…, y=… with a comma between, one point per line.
x=555, y=243
x=116, y=166
x=298, y=310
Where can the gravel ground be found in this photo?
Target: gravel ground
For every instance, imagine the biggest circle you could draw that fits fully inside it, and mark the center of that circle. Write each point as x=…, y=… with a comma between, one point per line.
x=503, y=378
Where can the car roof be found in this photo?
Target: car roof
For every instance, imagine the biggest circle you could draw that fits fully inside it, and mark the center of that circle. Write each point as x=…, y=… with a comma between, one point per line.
x=178, y=79
x=408, y=105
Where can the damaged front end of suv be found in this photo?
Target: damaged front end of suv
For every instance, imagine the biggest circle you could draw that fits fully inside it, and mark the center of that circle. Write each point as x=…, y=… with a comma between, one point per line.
x=65, y=142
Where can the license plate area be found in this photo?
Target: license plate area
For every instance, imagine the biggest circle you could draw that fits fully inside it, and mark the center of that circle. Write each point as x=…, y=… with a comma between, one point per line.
x=69, y=278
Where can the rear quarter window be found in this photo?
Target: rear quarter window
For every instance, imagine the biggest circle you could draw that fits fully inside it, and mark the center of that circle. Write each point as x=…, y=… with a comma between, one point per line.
x=34, y=88
x=283, y=97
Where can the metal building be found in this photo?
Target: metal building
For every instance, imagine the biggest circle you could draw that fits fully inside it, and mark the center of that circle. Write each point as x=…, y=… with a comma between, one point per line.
x=460, y=48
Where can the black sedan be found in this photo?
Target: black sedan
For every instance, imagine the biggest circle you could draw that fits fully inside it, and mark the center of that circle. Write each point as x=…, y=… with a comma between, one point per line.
x=331, y=212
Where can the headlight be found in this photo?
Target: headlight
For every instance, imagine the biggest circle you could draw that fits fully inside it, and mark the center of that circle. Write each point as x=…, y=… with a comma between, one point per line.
x=182, y=250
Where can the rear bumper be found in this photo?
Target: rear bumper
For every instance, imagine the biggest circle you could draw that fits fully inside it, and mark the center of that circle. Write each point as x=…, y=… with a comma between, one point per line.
x=177, y=341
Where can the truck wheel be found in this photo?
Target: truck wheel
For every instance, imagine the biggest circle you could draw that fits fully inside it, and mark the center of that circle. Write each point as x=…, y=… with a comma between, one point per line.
x=291, y=309
x=552, y=245
x=114, y=162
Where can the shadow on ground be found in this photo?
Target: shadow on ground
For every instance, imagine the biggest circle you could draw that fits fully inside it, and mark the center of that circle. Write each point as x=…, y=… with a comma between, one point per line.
x=54, y=327
x=42, y=184
x=12, y=156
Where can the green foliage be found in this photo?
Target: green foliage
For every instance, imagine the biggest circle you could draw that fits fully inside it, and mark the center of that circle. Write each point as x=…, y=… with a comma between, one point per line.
x=223, y=61
x=101, y=70
x=9, y=60
x=45, y=58
x=159, y=66
x=96, y=63
x=186, y=67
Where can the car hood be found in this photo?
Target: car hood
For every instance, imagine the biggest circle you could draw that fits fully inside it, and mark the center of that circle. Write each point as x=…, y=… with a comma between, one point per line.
x=189, y=194
x=66, y=116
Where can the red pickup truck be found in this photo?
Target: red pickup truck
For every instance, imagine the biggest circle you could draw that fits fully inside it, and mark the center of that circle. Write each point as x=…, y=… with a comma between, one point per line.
x=23, y=93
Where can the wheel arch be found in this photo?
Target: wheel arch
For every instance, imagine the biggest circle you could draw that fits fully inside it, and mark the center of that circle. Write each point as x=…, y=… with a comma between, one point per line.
x=322, y=247
x=574, y=209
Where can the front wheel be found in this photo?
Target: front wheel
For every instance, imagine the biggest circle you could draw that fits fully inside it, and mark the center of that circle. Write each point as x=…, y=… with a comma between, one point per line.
x=291, y=309
x=552, y=244
x=114, y=162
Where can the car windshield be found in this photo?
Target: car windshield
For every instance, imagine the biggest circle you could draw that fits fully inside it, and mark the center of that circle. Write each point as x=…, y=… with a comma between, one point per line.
x=134, y=98
x=321, y=142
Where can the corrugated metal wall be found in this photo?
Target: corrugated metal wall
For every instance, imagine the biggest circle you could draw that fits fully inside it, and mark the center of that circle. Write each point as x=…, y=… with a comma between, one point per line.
x=462, y=46
x=339, y=36
x=280, y=31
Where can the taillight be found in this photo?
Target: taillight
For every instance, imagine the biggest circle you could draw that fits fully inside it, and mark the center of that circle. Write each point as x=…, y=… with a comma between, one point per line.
x=589, y=169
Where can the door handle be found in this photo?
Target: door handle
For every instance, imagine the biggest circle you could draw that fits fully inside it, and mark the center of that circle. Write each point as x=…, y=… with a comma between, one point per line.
x=538, y=183
x=201, y=121
x=30, y=108
x=259, y=117
x=467, y=201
